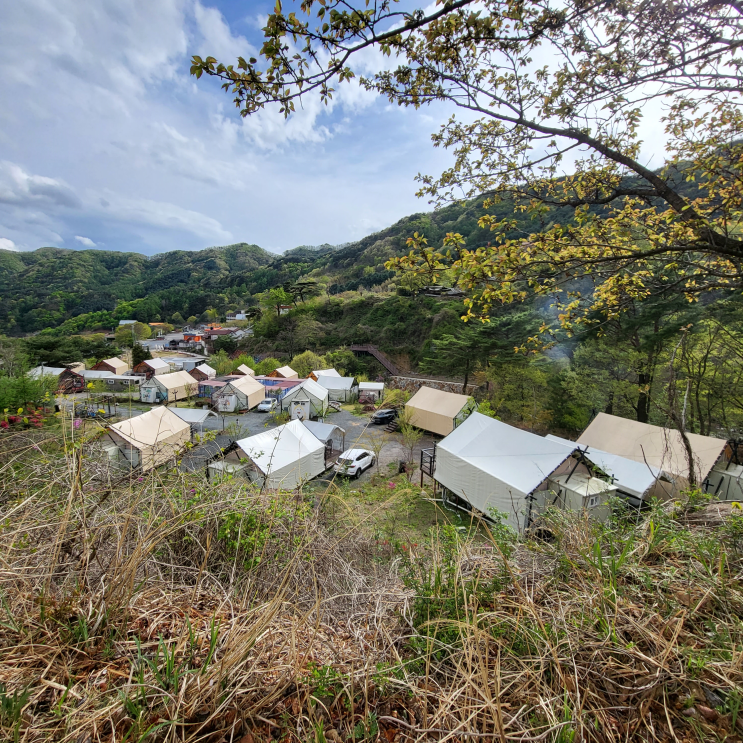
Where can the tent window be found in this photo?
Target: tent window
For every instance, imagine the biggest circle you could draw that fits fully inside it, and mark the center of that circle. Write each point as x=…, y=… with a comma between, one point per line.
x=593, y=501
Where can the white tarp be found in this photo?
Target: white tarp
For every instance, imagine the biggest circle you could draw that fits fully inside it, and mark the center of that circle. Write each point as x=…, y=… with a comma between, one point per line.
x=158, y=435
x=192, y=415
x=287, y=456
x=656, y=446
x=634, y=478
x=495, y=466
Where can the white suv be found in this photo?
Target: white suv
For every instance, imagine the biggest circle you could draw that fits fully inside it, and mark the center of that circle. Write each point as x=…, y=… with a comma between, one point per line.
x=354, y=461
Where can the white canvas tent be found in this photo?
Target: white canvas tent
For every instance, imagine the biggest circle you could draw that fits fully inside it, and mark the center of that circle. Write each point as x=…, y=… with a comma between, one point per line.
x=158, y=366
x=334, y=437
x=491, y=465
x=117, y=365
x=325, y=372
x=659, y=447
x=150, y=439
x=371, y=389
x=307, y=400
x=179, y=385
x=195, y=417
x=635, y=480
x=206, y=369
x=285, y=372
x=243, y=393
x=244, y=369
x=284, y=457
x=339, y=388
x=437, y=411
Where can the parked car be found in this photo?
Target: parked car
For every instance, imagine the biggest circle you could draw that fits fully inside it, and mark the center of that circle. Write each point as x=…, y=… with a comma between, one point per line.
x=354, y=461
x=267, y=405
x=384, y=416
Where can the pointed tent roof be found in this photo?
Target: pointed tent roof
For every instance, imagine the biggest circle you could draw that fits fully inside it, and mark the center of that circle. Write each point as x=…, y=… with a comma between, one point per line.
x=116, y=364
x=287, y=372
x=325, y=372
x=659, y=447
x=311, y=387
x=245, y=369
x=435, y=410
x=634, y=478
x=246, y=385
x=330, y=382
x=207, y=370
x=174, y=379
x=156, y=364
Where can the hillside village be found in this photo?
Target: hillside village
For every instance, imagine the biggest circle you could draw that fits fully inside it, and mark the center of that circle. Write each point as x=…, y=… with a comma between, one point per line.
x=476, y=475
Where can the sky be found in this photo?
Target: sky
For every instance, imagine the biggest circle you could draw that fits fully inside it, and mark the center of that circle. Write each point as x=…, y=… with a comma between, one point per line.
x=106, y=141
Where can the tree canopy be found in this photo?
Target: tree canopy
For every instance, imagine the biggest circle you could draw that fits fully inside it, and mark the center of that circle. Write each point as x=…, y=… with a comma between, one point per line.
x=556, y=95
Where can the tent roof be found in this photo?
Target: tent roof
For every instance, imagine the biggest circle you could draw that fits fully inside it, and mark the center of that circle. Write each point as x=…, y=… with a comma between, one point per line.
x=659, y=447
x=157, y=364
x=245, y=384
x=206, y=369
x=192, y=415
x=280, y=446
x=95, y=374
x=520, y=459
x=325, y=373
x=312, y=388
x=335, y=383
x=116, y=362
x=321, y=431
x=151, y=427
x=245, y=369
x=635, y=478
x=286, y=371
x=371, y=385
x=173, y=380
x=438, y=401
x=46, y=371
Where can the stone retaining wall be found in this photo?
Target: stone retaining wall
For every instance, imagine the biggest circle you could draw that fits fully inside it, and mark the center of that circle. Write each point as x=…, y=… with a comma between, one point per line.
x=413, y=384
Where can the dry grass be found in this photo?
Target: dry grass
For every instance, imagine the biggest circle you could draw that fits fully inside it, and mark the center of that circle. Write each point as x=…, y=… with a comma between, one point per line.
x=165, y=609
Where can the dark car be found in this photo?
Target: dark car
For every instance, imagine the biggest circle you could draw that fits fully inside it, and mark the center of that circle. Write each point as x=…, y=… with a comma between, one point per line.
x=384, y=416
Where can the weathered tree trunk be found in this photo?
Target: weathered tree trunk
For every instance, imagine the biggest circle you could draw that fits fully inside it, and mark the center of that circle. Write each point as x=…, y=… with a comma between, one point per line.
x=466, y=375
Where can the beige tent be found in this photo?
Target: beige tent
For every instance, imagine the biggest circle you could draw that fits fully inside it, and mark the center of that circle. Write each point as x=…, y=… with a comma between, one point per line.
x=150, y=439
x=437, y=411
x=245, y=369
x=115, y=365
x=243, y=393
x=171, y=387
x=653, y=445
x=285, y=372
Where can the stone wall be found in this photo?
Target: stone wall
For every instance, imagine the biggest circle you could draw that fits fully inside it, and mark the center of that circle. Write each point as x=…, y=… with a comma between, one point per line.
x=413, y=384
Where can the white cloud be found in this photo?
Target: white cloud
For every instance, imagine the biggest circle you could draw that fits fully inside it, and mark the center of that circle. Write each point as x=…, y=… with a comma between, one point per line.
x=6, y=244
x=86, y=241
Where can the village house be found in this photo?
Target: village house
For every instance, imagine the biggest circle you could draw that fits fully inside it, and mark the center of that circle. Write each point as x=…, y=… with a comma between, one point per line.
x=171, y=387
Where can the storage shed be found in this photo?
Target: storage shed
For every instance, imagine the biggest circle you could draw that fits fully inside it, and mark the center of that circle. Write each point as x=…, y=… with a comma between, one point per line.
x=148, y=440
x=284, y=372
x=114, y=365
x=635, y=481
x=487, y=464
x=659, y=447
x=241, y=393
x=305, y=401
x=284, y=457
x=343, y=389
x=203, y=372
x=172, y=387
x=437, y=411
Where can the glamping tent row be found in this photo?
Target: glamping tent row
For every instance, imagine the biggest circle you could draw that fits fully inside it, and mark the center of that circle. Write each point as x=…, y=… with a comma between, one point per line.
x=489, y=466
